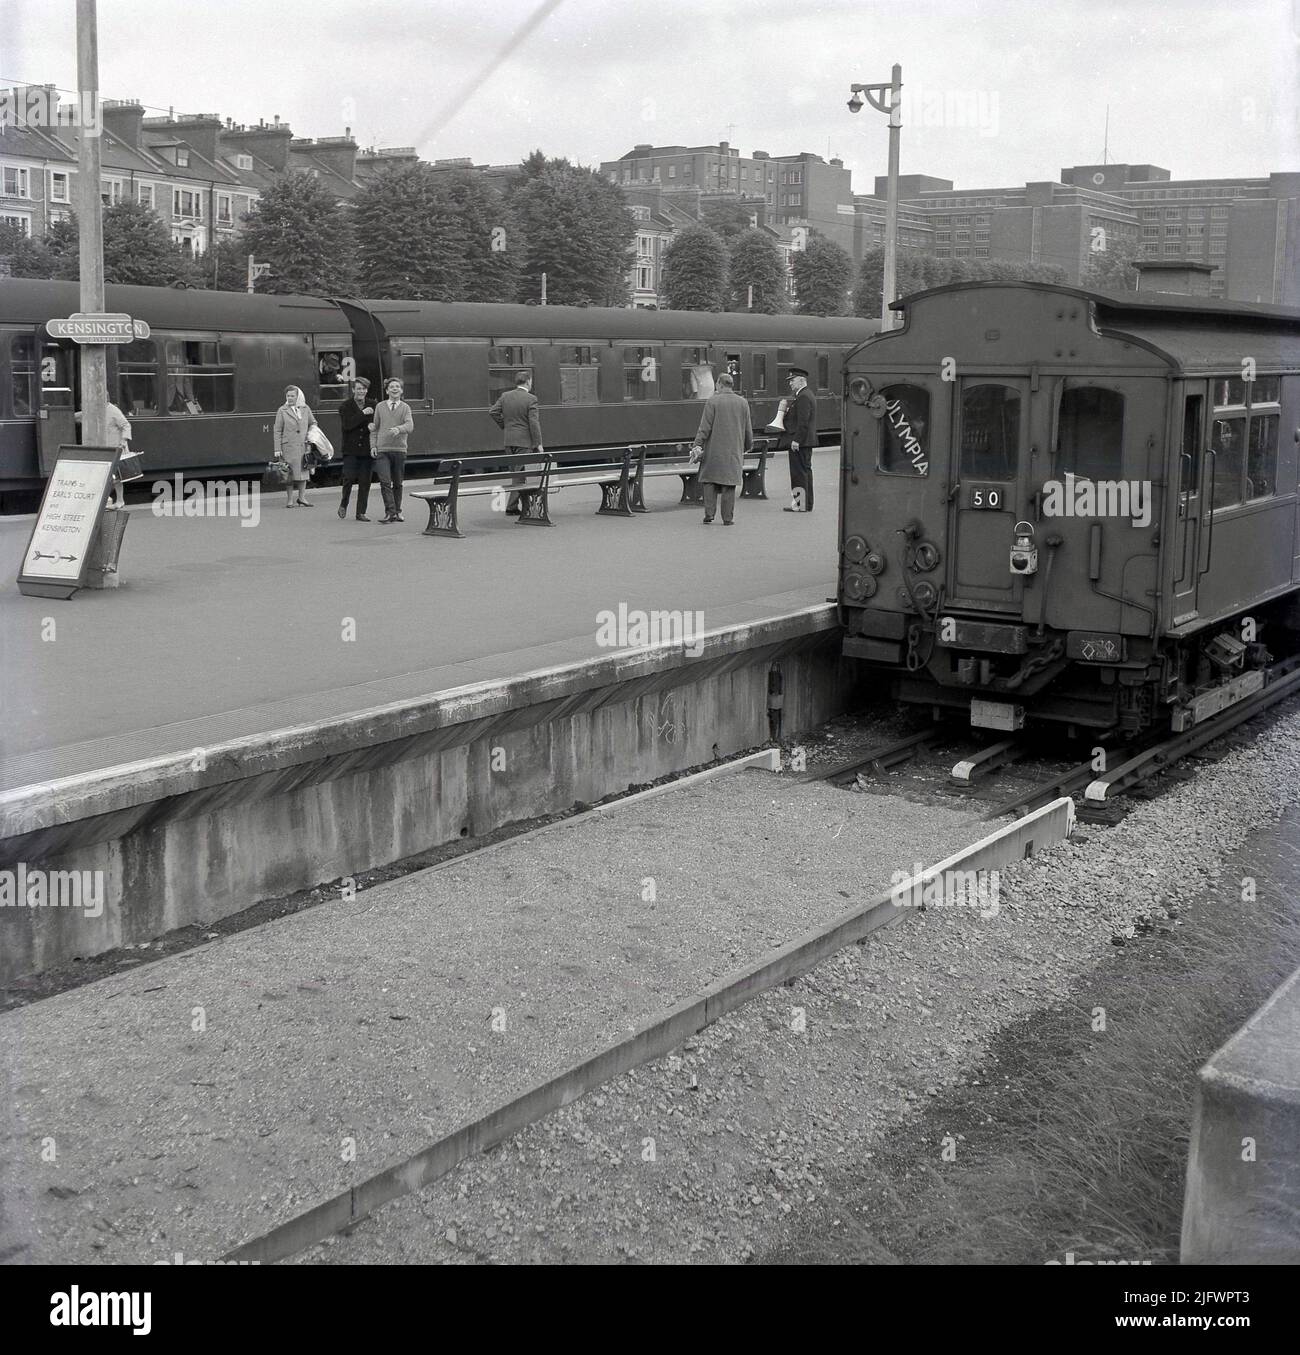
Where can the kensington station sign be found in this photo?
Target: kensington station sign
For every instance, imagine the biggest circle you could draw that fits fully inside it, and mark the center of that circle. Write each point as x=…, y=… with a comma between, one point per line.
x=98, y=327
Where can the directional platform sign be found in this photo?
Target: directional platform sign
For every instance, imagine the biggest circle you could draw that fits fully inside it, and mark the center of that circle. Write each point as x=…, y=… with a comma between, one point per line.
x=97, y=327
x=57, y=553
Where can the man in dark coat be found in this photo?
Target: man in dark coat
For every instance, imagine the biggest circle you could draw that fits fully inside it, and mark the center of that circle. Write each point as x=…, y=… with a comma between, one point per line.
x=354, y=415
x=516, y=414
x=801, y=432
x=726, y=433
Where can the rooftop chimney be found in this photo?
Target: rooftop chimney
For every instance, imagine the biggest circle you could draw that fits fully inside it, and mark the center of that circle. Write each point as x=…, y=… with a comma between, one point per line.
x=124, y=119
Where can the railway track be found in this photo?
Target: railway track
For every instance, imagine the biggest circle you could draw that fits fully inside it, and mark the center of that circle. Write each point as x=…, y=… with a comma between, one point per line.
x=1103, y=786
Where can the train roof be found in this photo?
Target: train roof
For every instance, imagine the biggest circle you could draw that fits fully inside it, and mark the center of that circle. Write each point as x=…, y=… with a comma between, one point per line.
x=463, y=319
x=1194, y=334
x=32, y=302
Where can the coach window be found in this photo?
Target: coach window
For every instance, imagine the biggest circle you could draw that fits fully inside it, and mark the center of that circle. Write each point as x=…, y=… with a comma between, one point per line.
x=1190, y=474
x=412, y=376
x=759, y=369
x=334, y=367
x=579, y=375
x=990, y=432
x=697, y=374
x=200, y=377
x=504, y=361
x=823, y=371
x=137, y=377
x=904, y=428
x=1090, y=433
x=1228, y=443
x=1261, y=439
x=22, y=356
x=640, y=374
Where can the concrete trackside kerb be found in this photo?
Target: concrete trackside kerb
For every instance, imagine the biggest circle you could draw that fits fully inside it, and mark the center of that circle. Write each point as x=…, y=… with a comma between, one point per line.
x=1048, y=826
x=41, y=805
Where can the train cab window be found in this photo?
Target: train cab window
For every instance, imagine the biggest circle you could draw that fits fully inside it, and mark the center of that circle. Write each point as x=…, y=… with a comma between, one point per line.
x=1190, y=472
x=200, y=377
x=697, y=374
x=1261, y=456
x=579, y=375
x=904, y=441
x=1228, y=443
x=759, y=370
x=1090, y=433
x=990, y=432
x=335, y=371
x=504, y=361
x=412, y=376
x=137, y=378
x=640, y=374
x=22, y=358
x=823, y=371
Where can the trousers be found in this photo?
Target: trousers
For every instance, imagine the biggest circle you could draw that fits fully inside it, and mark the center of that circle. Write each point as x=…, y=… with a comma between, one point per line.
x=711, y=500
x=359, y=471
x=389, y=467
x=801, y=482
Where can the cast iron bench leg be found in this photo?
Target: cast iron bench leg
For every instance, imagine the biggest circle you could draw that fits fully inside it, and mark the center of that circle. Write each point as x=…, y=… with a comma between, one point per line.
x=692, y=492
x=614, y=493
x=442, y=517
x=533, y=508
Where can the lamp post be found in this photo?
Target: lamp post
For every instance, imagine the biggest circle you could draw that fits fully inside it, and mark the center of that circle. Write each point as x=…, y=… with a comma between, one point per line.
x=875, y=96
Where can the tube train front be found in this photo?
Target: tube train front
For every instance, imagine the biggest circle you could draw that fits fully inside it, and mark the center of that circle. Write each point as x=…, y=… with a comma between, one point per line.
x=1064, y=506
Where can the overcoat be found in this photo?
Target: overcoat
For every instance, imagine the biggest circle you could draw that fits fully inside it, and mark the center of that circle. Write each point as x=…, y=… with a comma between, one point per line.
x=726, y=434
x=291, y=425
x=516, y=414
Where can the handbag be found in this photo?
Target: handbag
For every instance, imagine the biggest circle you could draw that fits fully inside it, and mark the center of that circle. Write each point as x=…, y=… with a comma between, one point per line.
x=277, y=474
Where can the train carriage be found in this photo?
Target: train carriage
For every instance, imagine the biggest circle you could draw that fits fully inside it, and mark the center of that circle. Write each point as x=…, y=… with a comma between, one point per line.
x=1067, y=506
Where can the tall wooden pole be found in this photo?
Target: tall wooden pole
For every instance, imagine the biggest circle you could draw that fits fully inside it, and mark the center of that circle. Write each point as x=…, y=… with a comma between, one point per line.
x=94, y=357
x=891, y=202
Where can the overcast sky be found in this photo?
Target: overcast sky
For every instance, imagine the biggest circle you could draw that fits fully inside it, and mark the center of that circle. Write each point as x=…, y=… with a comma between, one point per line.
x=1201, y=87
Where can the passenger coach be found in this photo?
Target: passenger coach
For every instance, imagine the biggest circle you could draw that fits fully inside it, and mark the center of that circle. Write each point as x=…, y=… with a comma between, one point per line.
x=202, y=391
x=1069, y=506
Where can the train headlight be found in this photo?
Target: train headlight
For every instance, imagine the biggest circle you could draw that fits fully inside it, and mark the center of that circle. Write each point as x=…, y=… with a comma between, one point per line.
x=855, y=549
x=859, y=587
x=925, y=557
x=926, y=593
x=860, y=390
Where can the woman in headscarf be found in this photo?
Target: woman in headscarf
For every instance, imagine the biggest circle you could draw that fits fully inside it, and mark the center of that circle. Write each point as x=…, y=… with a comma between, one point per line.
x=292, y=421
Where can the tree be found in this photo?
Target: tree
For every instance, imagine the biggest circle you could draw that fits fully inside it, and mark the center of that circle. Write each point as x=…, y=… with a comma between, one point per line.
x=695, y=271
x=728, y=220
x=577, y=230
x=302, y=232
x=225, y=268
x=138, y=247
x=822, y=273
x=487, y=239
x=757, y=262
x=1110, y=263
x=870, y=284
x=411, y=236
x=22, y=257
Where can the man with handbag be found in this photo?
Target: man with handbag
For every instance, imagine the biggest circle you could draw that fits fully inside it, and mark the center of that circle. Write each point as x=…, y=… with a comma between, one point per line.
x=389, y=429
x=355, y=416
x=801, y=435
x=516, y=413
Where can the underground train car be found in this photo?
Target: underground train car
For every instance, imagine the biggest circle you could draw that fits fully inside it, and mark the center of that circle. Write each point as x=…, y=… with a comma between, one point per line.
x=1072, y=507
x=202, y=390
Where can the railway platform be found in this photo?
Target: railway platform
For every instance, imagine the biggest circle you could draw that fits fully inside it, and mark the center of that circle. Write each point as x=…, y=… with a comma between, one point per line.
x=207, y=1099
x=223, y=630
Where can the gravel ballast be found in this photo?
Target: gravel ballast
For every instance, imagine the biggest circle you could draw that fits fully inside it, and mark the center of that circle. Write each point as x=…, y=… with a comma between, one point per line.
x=706, y=1154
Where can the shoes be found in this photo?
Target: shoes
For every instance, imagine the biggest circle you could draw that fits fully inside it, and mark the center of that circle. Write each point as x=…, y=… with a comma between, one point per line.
x=343, y=512
x=707, y=520
x=514, y=512
x=399, y=518
x=305, y=503
x=794, y=510
x=728, y=522
x=388, y=518
x=361, y=517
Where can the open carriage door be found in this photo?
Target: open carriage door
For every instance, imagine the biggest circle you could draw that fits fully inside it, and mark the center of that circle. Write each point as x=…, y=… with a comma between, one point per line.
x=57, y=377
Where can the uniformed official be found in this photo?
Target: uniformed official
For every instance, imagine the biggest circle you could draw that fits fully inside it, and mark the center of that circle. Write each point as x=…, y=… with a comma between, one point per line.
x=801, y=435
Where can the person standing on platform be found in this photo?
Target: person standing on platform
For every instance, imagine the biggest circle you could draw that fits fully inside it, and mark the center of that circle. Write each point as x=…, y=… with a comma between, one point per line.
x=389, y=430
x=355, y=416
x=292, y=421
x=726, y=433
x=518, y=414
x=801, y=432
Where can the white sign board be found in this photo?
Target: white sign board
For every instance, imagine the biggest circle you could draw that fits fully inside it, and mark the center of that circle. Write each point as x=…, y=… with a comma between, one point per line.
x=69, y=514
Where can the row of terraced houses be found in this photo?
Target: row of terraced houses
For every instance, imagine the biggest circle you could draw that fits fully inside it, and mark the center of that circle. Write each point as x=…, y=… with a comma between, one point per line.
x=201, y=174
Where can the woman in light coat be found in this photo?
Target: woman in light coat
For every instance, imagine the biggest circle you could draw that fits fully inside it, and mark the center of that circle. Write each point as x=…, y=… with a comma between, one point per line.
x=292, y=421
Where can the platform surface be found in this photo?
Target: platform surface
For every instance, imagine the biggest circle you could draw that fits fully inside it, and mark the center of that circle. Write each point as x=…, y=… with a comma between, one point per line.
x=221, y=630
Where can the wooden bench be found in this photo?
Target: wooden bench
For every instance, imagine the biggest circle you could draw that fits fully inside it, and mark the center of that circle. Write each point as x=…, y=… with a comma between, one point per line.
x=753, y=471
x=534, y=478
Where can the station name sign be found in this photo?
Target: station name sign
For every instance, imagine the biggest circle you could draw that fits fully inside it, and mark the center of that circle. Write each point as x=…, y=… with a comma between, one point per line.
x=98, y=327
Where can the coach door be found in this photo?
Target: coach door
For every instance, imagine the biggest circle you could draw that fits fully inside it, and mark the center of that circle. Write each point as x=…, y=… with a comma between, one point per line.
x=1185, y=554
x=989, y=494
x=56, y=405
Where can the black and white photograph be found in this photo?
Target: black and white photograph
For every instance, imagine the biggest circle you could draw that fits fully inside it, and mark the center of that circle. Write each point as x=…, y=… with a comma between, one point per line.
x=873, y=840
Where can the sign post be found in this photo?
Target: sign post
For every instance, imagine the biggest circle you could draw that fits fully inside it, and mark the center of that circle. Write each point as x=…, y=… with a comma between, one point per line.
x=58, y=559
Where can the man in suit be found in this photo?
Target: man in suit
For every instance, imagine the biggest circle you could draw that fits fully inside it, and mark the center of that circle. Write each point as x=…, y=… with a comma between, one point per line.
x=725, y=435
x=516, y=413
x=801, y=432
x=355, y=415
x=389, y=430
